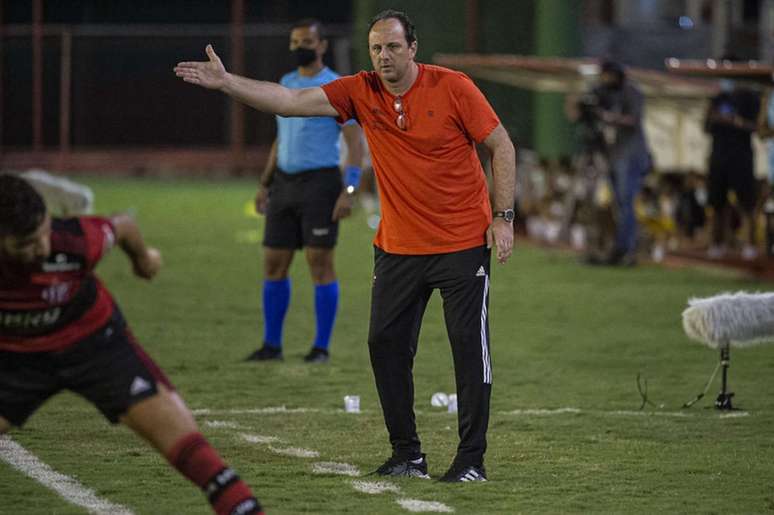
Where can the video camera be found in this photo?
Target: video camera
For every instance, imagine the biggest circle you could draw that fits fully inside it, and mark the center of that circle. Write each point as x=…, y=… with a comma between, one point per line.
x=588, y=106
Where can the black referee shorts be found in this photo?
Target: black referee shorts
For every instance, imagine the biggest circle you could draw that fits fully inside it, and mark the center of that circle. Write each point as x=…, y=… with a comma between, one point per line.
x=402, y=286
x=300, y=209
x=108, y=368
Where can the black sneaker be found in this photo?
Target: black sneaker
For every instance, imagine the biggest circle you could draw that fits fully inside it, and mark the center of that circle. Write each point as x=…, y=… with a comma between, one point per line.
x=397, y=466
x=266, y=353
x=317, y=356
x=463, y=474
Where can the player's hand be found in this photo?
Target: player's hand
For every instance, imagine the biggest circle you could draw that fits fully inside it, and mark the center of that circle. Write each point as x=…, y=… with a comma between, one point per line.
x=208, y=74
x=343, y=207
x=261, y=200
x=500, y=235
x=147, y=265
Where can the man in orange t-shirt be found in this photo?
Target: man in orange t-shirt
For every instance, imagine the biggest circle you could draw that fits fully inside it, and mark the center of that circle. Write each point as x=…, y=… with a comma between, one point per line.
x=422, y=123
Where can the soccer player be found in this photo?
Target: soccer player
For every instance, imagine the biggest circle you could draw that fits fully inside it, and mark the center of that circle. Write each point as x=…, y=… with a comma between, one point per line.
x=302, y=197
x=422, y=123
x=61, y=329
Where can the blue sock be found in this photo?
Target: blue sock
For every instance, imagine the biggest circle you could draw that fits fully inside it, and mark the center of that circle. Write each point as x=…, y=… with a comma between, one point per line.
x=276, y=299
x=326, y=301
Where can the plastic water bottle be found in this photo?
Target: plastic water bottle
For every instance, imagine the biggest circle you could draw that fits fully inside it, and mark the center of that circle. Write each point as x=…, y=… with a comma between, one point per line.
x=452, y=406
x=352, y=403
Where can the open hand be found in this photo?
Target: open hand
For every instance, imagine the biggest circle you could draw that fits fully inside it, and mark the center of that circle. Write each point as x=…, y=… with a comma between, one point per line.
x=208, y=74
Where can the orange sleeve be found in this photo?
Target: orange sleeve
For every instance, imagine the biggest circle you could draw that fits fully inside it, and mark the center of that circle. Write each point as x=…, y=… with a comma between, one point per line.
x=475, y=112
x=338, y=93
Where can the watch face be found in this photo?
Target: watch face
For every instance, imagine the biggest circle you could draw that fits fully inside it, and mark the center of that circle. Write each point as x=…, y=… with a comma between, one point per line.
x=508, y=215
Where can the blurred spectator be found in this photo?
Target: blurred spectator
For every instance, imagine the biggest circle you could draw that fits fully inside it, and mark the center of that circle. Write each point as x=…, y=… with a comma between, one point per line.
x=617, y=105
x=766, y=128
x=691, y=205
x=766, y=132
x=731, y=120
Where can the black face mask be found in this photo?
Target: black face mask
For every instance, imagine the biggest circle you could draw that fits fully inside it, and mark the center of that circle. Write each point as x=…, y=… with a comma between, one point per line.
x=304, y=56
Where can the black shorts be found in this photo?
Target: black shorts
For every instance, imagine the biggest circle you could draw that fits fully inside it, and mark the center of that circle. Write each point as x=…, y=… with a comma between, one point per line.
x=732, y=172
x=300, y=209
x=108, y=368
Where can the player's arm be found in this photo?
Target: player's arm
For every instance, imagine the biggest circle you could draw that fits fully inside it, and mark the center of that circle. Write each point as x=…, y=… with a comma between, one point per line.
x=352, y=135
x=262, y=195
x=146, y=261
x=500, y=233
x=268, y=97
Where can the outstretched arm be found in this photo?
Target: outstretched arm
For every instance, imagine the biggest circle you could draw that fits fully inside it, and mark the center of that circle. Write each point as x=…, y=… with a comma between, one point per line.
x=267, y=97
x=500, y=233
x=146, y=261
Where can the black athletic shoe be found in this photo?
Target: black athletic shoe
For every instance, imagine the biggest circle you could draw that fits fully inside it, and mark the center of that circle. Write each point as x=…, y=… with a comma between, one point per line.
x=265, y=353
x=463, y=474
x=397, y=466
x=317, y=356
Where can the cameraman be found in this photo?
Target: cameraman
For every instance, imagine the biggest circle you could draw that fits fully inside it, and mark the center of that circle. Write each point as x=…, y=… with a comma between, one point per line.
x=618, y=107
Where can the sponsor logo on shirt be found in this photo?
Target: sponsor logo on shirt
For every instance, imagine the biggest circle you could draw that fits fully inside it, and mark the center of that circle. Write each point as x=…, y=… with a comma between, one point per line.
x=29, y=319
x=60, y=264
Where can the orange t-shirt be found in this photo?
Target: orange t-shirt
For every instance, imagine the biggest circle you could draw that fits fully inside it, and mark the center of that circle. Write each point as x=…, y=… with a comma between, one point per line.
x=433, y=191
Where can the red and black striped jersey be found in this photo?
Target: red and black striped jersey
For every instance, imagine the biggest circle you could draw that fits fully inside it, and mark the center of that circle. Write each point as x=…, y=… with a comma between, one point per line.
x=61, y=301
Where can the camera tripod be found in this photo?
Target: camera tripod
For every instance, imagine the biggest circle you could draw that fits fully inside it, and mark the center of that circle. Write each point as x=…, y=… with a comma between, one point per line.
x=723, y=400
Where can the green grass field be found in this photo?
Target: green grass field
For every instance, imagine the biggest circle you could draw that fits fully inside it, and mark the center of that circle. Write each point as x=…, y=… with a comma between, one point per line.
x=563, y=336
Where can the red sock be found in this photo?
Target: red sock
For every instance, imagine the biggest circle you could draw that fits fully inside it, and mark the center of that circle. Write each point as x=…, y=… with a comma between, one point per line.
x=195, y=458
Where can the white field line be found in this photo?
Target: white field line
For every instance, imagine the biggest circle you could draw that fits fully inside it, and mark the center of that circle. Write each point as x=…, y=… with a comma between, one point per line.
x=538, y=411
x=341, y=469
x=737, y=414
x=221, y=423
x=295, y=452
x=416, y=505
x=261, y=439
x=375, y=487
x=615, y=413
x=68, y=488
x=271, y=410
x=632, y=413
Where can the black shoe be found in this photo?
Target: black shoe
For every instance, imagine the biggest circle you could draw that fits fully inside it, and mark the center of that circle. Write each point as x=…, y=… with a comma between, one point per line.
x=397, y=466
x=463, y=474
x=266, y=353
x=317, y=356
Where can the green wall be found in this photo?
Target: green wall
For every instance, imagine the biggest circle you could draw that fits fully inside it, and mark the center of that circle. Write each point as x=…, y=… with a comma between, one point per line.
x=556, y=34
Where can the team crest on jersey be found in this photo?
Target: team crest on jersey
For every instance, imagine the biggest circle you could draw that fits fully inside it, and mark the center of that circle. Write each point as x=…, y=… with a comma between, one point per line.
x=56, y=293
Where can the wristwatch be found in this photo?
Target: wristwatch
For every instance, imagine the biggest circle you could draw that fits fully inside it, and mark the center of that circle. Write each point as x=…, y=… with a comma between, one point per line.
x=350, y=190
x=508, y=215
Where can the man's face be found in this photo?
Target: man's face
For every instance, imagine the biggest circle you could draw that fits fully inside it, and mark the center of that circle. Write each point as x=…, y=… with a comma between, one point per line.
x=390, y=53
x=31, y=249
x=308, y=37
